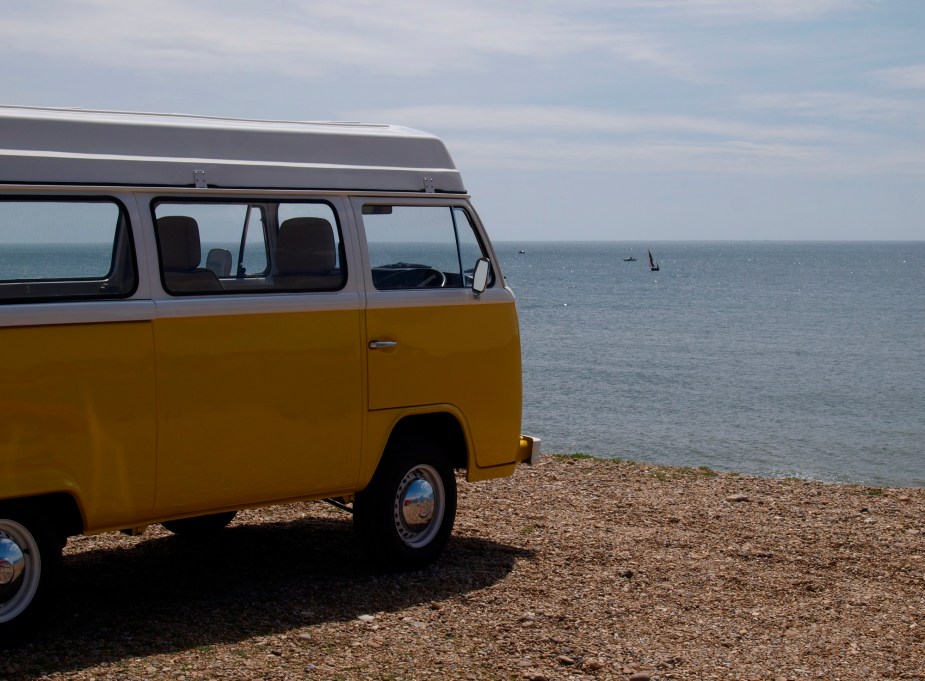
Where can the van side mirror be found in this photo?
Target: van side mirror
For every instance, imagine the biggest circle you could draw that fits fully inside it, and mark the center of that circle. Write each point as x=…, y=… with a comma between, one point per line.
x=480, y=276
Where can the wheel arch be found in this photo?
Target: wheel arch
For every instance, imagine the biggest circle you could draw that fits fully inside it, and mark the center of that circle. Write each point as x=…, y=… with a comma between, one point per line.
x=442, y=428
x=60, y=510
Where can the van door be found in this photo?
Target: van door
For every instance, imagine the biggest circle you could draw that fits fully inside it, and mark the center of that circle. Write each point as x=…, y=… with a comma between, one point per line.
x=259, y=378
x=431, y=342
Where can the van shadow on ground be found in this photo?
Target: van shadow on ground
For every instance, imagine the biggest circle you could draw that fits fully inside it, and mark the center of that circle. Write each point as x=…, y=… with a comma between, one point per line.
x=168, y=594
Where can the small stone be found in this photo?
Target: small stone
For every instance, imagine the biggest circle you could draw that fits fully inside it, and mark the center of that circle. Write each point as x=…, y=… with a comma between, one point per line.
x=565, y=659
x=593, y=664
x=737, y=498
x=368, y=619
x=640, y=676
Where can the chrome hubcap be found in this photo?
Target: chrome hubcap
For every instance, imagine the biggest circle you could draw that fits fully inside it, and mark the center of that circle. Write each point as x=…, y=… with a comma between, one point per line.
x=11, y=561
x=20, y=569
x=419, y=506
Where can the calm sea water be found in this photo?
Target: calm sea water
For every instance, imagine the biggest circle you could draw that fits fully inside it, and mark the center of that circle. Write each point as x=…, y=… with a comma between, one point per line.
x=783, y=359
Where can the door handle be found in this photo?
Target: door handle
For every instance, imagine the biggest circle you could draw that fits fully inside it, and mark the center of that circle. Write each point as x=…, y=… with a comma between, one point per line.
x=378, y=345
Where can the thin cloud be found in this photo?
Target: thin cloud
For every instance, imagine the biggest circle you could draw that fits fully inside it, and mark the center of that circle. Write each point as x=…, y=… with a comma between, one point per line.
x=678, y=156
x=848, y=106
x=572, y=138
x=903, y=77
x=583, y=122
x=744, y=10
x=309, y=39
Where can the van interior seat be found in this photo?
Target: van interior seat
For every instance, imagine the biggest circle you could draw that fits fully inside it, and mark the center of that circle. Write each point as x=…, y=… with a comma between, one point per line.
x=219, y=261
x=178, y=236
x=306, y=254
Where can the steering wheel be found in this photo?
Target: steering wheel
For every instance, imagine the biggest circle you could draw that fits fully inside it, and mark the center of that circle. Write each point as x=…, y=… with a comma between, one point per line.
x=430, y=276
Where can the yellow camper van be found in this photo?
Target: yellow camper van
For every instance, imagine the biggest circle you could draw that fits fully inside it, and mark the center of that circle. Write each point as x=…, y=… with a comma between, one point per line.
x=200, y=315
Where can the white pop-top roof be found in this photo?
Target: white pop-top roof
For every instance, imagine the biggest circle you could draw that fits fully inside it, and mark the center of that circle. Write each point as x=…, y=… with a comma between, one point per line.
x=77, y=146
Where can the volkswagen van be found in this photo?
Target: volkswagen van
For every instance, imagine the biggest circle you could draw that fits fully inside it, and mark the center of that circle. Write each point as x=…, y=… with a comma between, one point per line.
x=200, y=315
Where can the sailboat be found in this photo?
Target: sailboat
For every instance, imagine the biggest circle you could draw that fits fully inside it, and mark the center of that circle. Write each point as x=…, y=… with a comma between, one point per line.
x=652, y=264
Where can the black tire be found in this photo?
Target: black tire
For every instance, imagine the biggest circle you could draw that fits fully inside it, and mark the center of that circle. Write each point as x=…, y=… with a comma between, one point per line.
x=30, y=569
x=403, y=519
x=201, y=525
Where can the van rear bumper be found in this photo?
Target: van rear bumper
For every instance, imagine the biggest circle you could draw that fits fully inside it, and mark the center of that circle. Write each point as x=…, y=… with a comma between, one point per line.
x=529, y=449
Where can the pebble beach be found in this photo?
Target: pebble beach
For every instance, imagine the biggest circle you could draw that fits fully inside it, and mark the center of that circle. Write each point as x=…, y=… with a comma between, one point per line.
x=574, y=568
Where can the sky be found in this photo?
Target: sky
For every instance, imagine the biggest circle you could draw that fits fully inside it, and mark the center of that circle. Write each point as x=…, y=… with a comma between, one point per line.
x=618, y=120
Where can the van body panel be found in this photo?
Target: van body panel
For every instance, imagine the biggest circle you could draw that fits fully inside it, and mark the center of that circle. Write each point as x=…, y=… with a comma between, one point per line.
x=78, y=406
x=456, y=350
x=257, y=407
x=477, y=474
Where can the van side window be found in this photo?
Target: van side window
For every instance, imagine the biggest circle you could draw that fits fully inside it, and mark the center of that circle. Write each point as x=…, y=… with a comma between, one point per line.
x=59, y=249
x=420, y=246
x=257, y=246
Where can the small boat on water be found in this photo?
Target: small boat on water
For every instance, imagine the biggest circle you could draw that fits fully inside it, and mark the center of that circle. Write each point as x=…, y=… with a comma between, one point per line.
x=629, y=259
x=521, y=252
x=653, y=264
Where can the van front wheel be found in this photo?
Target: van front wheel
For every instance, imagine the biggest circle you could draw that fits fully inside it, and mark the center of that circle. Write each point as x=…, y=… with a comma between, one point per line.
x=405, y=516
x=30, y=562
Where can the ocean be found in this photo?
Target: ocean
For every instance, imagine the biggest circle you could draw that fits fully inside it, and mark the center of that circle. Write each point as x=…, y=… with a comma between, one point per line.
x=766, y=358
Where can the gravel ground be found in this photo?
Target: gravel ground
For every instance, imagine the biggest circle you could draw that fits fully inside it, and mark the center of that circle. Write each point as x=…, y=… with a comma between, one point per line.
x=572, y=569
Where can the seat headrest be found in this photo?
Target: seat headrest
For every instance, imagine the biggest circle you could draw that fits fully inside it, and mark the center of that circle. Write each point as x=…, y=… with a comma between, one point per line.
x=219, y=261
x=179, y=239
x=305, y=246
